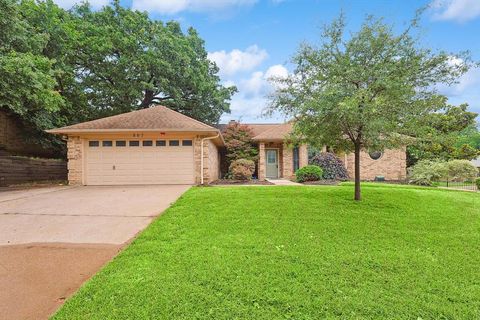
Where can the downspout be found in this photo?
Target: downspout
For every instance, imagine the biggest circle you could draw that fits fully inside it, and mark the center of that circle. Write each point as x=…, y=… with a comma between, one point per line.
x=201, y=154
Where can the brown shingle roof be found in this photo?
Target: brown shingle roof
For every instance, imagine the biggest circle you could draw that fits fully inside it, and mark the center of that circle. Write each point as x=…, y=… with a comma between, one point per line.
x=277, y=132
x=154, y=118
x=266, y=131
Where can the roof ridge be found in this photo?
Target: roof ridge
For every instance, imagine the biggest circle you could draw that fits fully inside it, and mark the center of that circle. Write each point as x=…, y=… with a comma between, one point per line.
x=181, y=114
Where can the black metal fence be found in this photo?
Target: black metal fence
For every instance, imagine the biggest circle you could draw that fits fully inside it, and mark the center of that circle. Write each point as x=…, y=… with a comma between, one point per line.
x=460, y=185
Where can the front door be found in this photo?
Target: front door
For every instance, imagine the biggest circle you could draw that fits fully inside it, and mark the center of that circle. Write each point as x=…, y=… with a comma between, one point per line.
x=272, y=163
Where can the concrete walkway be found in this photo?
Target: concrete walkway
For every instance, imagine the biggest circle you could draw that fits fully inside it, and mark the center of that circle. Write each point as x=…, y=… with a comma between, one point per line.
x=284, y=182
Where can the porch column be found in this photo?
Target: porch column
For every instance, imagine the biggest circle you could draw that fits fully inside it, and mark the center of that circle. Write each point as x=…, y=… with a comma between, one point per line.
x=261, y=161
x=287, y=160
x=303, y=155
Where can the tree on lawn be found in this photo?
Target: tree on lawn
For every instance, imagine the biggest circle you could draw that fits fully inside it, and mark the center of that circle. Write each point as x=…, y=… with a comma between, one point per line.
x=239, y=143
x=364, y=90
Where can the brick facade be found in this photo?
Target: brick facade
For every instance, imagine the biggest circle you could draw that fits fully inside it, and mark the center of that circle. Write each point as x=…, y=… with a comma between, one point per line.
x=75, y=163
x=285, y=159
x=210, y=160
x=261, y=161
x=392, y=165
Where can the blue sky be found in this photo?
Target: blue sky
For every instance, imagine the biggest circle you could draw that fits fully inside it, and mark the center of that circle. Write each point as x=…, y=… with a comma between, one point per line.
x=251, y=40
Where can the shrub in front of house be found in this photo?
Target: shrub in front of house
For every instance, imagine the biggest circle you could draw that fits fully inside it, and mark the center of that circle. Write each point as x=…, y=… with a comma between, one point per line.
x=242, y=169
x=477, y=182
x=426, y=172
x=309, y=173
x=333, y=168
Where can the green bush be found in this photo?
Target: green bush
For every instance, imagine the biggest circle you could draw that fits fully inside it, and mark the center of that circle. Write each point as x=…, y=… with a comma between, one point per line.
x=332, y=166
x=425, y=172
x=242, y=169
x=477, y=182
x=309, y=173
x=461, y=170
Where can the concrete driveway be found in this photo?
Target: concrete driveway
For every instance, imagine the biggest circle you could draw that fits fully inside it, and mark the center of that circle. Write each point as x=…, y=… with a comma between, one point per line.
x=53, y=239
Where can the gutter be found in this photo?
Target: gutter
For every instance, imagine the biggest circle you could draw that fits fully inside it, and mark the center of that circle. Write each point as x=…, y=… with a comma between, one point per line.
x=201, y=154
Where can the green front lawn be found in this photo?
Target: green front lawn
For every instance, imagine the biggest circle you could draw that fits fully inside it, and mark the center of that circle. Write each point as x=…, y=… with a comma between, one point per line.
x=297, y=253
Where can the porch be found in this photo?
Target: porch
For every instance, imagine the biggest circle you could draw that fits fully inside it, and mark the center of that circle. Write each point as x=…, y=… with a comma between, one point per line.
x=278, y=160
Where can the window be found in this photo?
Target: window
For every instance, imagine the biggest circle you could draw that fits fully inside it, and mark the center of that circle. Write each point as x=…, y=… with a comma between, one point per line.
x=134, y=143
x=173, y=143
x=187, y=143
x=121, y=143
x=375, y=155
x=93, y=143
x=271, y=156
x=296, y=159
x=107, y=143
x=147, y=143
x=161, y=143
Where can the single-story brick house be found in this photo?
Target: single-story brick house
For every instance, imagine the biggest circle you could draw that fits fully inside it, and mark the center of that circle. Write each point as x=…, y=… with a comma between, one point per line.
x=161, y=146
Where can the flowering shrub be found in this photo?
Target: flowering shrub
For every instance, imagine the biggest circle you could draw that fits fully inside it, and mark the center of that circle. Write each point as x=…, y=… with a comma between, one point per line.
x=309, y=173
x=425, y=172
x=332, y=166
x=242, y=169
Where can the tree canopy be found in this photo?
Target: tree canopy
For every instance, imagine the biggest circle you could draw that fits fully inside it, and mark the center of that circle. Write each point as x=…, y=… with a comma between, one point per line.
x=60, y=67
x=364, y=90
x=447, y=134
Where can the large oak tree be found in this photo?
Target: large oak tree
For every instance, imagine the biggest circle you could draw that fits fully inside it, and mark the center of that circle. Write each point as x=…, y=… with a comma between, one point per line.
x=364, y=90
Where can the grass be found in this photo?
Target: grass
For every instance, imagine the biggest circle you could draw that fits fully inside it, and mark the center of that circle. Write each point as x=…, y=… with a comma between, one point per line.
x=297, y=253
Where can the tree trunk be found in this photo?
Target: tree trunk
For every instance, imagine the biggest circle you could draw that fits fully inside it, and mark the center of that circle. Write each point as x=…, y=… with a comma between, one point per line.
x=147, y=99
x=357, y=172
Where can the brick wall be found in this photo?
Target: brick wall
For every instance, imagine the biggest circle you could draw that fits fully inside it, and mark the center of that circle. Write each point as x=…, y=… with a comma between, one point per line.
x=210, y=160
x=74, y=156
x=392, y=165
x=15, y=170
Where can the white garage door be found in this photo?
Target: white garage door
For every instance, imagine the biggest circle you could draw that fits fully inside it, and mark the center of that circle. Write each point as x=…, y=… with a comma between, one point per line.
x=124, y=162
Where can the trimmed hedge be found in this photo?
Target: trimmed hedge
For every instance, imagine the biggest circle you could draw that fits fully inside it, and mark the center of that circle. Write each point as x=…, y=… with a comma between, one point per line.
x=309, y=173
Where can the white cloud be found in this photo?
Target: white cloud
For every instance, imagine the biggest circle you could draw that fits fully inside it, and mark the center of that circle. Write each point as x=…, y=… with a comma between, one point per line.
x=457, y=10
x=67, y=4
x=238, y=60
x=251, y=100
x=176, y=6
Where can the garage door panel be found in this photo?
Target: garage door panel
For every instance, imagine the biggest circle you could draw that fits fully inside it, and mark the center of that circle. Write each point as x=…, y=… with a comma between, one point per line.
x=139, y=165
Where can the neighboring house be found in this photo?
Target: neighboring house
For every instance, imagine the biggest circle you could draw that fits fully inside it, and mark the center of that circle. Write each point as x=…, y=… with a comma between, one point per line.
x=476, y=163
x=161, y=146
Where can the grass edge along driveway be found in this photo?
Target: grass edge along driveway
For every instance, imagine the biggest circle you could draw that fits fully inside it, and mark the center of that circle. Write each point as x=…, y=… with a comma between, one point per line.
x=296, y=252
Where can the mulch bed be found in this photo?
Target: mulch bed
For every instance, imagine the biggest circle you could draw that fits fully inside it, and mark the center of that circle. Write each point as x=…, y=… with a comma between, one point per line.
x=322, y=182
x=223, y=182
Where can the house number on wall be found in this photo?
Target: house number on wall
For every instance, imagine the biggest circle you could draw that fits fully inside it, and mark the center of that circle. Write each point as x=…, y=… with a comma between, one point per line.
x=138, y=135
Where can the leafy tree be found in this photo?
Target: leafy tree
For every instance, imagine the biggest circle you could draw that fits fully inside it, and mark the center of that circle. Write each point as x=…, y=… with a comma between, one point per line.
x=441, y=135
x=470, y=136
x=28, y=84
x=363, y=90
x=239, y=143
x=129, y=61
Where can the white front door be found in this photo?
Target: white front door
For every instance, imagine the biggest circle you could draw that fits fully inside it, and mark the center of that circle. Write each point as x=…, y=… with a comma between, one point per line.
x=271, y=163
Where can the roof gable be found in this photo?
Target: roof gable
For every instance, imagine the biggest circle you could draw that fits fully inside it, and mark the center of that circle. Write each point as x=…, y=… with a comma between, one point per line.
x=154, y=118
x=266, y=131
